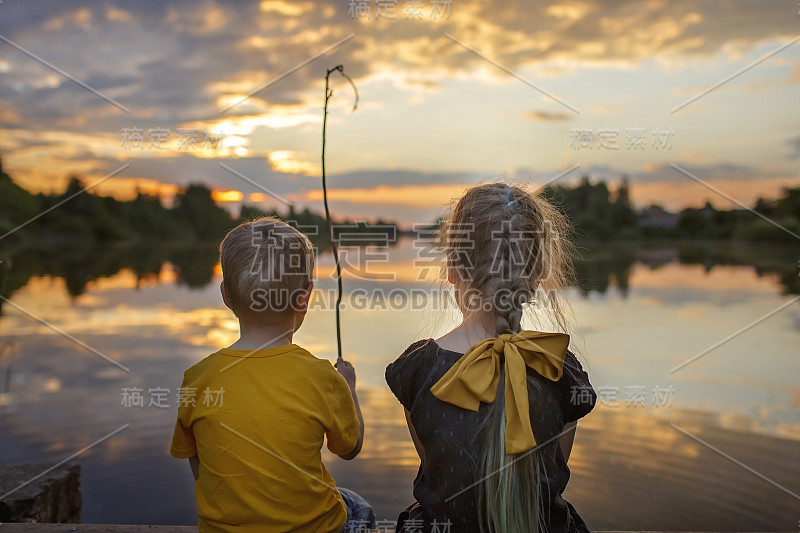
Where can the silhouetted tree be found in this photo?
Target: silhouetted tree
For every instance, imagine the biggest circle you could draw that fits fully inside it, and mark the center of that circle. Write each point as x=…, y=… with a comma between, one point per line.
x=196, y=209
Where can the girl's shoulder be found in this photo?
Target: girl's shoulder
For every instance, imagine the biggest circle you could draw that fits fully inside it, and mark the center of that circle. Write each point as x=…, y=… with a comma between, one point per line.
x=406, y=374
x=417, y=345
x=578, y=395
x=414, y=356
x=573, y=370
x=420, y=348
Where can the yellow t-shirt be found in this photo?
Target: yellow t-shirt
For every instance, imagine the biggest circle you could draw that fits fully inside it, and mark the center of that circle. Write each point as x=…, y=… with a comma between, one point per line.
x=257, y=427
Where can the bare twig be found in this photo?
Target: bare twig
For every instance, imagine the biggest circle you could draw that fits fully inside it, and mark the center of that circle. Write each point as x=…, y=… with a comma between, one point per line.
x=334, y=247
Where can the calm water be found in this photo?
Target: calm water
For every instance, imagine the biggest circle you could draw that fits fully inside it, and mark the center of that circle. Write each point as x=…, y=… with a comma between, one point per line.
x=642, y=312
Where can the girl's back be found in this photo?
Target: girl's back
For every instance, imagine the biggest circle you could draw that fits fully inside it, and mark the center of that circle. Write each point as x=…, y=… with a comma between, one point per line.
x=487, y=404
x=451, y=439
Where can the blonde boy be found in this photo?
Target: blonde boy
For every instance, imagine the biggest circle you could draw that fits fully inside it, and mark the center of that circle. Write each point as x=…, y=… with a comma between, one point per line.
x=255, y=414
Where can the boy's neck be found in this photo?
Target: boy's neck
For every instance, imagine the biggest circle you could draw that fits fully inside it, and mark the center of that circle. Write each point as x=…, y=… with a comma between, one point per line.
x=263, y=336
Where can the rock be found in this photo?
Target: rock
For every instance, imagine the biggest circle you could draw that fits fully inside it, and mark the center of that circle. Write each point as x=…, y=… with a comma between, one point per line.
x=51, y=497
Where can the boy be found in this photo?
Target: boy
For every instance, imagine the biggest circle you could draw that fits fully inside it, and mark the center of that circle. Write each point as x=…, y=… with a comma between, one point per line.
x=252, y=417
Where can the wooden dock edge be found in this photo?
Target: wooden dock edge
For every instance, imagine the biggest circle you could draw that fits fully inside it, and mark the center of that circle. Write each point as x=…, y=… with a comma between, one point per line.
x=107, y=528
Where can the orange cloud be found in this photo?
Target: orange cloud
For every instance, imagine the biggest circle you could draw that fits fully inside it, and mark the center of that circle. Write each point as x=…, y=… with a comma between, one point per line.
x=227, y=196
x=424, y=196
x=548, y=116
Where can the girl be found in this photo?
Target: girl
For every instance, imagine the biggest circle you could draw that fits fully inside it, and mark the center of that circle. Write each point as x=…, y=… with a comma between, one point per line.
x=492, y=408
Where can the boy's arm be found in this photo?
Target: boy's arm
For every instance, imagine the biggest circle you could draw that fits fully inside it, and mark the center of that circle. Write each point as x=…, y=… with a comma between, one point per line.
x=194, y=463
x=360, y=442
x=349, y=374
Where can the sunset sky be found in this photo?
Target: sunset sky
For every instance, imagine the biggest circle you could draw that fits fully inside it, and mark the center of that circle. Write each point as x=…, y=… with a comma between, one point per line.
x=451, y=93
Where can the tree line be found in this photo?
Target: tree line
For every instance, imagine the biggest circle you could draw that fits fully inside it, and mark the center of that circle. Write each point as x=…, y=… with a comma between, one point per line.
x=598, y=212
x=194, y=216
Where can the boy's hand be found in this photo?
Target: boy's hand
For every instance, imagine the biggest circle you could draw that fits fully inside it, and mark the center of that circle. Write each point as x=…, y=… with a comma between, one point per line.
x=347, y=371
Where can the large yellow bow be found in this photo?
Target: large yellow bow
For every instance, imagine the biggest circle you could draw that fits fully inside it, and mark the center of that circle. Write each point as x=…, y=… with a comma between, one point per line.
x=475, y=376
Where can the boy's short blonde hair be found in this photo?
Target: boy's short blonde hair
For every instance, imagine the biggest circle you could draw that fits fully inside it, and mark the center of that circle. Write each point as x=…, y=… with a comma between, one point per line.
x=266, y=266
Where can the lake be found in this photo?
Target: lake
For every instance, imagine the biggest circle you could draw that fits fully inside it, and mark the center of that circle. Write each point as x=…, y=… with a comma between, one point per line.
x=693, y=348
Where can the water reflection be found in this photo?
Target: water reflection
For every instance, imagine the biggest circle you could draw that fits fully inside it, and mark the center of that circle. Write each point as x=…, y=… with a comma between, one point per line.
x=603, y=266
x=599, y=267
x=688, y=485
x=642, y=311
x=630, y=469
x=81, y=265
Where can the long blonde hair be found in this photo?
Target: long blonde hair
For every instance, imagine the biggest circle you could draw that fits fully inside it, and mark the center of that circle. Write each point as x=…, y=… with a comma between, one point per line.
x=512, y=249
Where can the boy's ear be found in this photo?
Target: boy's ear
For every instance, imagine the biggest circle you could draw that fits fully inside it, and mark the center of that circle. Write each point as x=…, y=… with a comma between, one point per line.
x=302, y=304
x=222, y=292
x=307, y=295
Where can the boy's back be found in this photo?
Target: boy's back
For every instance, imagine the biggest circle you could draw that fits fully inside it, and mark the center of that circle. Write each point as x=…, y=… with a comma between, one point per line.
x=258, y=441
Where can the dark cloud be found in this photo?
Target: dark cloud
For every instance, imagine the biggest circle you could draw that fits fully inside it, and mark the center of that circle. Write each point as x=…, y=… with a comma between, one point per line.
x=169, y=58
x=187, y=169
x=718, y=171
